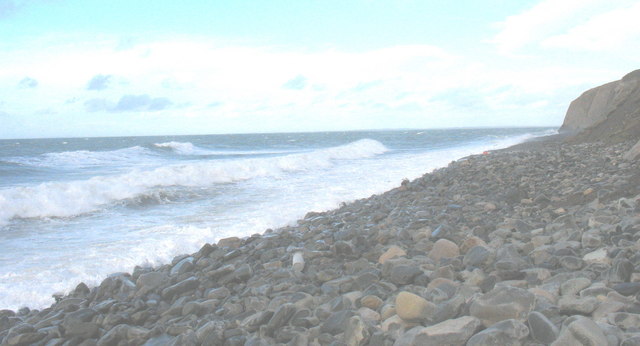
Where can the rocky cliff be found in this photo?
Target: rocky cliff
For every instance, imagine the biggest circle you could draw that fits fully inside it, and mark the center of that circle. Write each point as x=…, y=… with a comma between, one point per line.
x=610, y=112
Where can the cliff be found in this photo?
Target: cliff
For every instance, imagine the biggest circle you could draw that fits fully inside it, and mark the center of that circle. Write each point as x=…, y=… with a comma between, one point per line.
x=610, y=112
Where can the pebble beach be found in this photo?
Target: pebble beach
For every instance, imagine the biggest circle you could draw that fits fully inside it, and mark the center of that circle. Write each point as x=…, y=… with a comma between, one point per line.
x=532, y=245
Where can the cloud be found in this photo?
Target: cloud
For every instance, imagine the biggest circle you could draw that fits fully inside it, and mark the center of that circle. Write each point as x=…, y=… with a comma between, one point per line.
x=132, y=103
x=99, y=82
x=463, y=98
x=159, y=103
x=128, y=103
x=27, y=83
x=97, y=105
x=538, y=22
x=297, y=83
x=612, y=29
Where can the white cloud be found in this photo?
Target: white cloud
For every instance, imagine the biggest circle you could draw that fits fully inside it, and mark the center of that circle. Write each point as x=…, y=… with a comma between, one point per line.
x=613, y=29
x=534, y=24
x=569, y=24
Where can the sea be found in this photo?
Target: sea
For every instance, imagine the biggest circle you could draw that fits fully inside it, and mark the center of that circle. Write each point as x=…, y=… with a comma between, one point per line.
x=78, y=209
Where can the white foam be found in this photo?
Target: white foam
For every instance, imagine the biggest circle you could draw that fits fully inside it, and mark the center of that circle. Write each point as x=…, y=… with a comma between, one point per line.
x=64, y=199
x=32, y=281
x=84, y=158
x=184, y=148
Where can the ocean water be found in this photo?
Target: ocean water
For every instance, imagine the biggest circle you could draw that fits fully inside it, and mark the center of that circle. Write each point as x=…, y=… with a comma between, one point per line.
x=78, y=209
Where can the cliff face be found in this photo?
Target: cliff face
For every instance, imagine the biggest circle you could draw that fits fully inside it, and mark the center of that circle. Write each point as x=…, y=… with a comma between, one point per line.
x=610, y=112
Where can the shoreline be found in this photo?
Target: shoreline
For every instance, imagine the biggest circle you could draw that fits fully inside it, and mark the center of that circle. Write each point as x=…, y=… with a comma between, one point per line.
x=444, y=242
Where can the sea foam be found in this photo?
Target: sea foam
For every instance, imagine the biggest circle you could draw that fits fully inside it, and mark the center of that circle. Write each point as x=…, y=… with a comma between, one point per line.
x=83, y=158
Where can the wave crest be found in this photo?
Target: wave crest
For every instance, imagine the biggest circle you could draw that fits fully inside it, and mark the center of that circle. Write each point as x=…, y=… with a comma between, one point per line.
x=83, y=158
x=66, y=199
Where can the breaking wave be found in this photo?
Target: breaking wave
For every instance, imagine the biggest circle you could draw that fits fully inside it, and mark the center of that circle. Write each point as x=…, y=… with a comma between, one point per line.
x=71, y=198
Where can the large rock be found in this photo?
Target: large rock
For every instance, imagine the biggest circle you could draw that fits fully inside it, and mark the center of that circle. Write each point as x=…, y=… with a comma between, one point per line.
x=503, y=303
x=451, y=332
x=609, y=112
x=413, y=308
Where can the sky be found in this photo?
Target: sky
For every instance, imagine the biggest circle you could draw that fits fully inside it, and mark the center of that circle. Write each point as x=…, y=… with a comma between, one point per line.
x=72, y=68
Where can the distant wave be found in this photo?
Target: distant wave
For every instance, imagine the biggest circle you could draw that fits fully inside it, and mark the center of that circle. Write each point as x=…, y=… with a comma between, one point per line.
x=66, y=199
x=82, y=158
x=187, y=148
x=184, y=148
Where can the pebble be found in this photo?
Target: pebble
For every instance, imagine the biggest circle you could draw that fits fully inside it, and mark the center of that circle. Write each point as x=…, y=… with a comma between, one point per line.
x=582, y=331
x=444, y=248
x=502, y=303
x=392, y=252
x=541, y=328
x=451, y=332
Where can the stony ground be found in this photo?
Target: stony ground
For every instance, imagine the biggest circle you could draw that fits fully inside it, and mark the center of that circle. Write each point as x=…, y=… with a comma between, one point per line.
x=519, y=247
